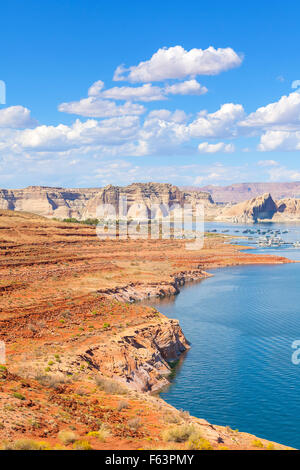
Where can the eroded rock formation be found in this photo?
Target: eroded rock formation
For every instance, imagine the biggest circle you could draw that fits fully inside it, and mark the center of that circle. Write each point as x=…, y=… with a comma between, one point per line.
x=259, y=208
x=83, y=203
x=140, y=357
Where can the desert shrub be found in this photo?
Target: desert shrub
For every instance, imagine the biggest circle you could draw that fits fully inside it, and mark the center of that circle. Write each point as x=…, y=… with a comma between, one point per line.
x=52, y=380
x=134, y=424
x=270, y=446
x=171, y=418
x=67, y=437
x=196, y=443
x=110, y=386
x=19, y=396
x=25, y=444
x=184, y=414
x=122, y=405
x=102, y=434
x=82, y=445
x=179, y=433
x=257, y=443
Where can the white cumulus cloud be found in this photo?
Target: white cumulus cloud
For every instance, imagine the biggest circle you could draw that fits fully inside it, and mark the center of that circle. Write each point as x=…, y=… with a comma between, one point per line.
x=205, y=147
x=279, y=140
x=177, y=63
x=284, y=113
x=146, y=92
x=91, y=133
x=189, y=87
x=222, y=123
x=99, y=108
x=16, y=117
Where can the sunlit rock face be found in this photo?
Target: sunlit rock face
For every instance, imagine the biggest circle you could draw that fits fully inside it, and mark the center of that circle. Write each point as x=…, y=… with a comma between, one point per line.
x=45, y=201
x=259, y=208
x=144, y=201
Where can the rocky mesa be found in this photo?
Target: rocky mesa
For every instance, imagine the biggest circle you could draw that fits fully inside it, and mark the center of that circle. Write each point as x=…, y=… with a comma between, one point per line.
x=261, y=208
x=84, y=203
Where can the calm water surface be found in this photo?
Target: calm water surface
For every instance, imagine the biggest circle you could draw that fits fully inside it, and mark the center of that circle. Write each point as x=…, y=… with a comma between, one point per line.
x=238, y=372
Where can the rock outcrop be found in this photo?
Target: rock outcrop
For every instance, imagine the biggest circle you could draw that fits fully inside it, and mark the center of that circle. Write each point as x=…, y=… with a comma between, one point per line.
x=135, y=292
x=140, y=357
x=48, y=202
x=288, y=210
x=259, y=208
x=85, y=203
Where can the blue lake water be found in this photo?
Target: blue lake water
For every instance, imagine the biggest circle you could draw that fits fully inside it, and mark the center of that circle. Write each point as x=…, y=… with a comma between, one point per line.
x=238, y=372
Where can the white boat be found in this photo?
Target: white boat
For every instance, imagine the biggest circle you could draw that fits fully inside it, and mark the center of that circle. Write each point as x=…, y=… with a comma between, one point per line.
x=273, y=241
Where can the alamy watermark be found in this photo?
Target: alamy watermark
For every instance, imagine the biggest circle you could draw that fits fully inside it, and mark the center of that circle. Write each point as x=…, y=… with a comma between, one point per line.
x=2, y=92
x=296, y=353
x=152, y=221
x=2, y=353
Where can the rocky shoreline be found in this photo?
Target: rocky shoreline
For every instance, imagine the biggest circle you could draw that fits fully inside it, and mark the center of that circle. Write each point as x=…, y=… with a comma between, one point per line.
x=135, y=292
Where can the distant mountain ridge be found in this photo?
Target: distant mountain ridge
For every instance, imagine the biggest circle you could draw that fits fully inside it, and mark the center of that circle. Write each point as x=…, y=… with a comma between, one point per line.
x=241, y=192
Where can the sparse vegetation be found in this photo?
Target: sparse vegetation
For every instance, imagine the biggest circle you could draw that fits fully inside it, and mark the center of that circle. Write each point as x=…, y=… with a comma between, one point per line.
x=171, y=418
x=195, y=443
x=19, y=396
x=110, y=386
x=257, y=443
x=73, y=220
x=67, y=437
x=122, y=405
x=134, y=424
x=179, y=433
x=102, y=434
x=52, y=380
x=25, y=444
x=82, y=445
x=270, y=446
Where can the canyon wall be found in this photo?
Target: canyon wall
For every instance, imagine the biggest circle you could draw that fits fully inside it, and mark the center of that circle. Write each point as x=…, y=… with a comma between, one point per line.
x=83, y=203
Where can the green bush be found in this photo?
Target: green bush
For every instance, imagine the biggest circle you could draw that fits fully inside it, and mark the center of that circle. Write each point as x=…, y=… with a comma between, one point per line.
x=19, y=396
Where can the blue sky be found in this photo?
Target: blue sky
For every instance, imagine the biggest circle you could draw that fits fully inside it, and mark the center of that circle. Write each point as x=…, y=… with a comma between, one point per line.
x=206, y=96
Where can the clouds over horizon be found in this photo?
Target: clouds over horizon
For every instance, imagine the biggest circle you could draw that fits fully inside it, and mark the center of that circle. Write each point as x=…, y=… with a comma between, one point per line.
x=158, y=131
x=115, y=122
